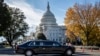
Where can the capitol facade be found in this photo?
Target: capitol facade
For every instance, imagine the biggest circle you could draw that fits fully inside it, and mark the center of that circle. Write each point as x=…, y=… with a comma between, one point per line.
x=50, y=28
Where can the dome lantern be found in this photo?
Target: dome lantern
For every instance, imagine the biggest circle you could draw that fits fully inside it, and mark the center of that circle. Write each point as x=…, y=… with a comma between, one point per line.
x=48, y=7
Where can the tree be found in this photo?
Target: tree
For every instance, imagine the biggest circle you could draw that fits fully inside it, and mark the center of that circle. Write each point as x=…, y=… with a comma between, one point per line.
x=41, y=36
x=18, y=26
x=82, y=20
x=4, y=17
x=72, y=37
x=95, y=41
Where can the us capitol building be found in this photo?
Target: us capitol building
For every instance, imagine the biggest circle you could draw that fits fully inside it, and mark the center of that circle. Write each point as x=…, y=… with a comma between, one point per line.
x=50, y=28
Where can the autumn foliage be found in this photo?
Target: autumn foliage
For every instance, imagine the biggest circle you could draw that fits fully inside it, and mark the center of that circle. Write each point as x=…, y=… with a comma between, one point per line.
x=83, y=20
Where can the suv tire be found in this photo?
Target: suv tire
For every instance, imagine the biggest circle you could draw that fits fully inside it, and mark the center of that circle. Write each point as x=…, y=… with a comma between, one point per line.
x=28, y=53
x=68, y=52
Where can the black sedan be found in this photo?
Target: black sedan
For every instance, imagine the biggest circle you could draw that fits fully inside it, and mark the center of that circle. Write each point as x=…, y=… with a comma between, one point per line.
x=44, y=47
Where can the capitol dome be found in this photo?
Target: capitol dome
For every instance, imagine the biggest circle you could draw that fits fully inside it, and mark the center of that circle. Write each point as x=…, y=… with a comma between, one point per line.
x=48, y=17
x=50, y=28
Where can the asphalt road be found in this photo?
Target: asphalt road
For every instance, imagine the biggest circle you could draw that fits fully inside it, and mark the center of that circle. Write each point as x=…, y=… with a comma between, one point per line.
x=43, y=55
x=10, y=52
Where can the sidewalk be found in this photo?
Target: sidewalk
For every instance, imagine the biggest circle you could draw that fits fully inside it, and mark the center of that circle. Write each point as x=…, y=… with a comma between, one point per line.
x=5, y=48
x=92, y=52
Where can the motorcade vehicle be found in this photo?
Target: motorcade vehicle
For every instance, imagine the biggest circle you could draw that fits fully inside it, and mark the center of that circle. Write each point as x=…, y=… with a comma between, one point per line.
x=31, y=48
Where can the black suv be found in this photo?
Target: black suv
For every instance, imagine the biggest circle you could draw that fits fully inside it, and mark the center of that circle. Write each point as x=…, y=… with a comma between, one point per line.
x=44, y=47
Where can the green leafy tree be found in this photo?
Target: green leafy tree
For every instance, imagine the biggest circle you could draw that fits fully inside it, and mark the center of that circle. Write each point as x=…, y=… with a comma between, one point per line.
x=18, y=26
x=41, y=36
x=4, y=17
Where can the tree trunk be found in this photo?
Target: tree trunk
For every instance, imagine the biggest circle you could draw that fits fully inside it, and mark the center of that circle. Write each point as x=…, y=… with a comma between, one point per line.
x=87, y=38
x=10, y=43
x=87, y=43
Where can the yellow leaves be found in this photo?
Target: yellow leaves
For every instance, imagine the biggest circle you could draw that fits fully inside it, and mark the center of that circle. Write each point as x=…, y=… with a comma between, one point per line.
x=69, y=12
x=82, y=20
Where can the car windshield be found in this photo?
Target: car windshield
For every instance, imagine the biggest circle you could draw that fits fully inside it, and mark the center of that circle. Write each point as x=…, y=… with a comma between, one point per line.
x=25, y=42
x=34, y=43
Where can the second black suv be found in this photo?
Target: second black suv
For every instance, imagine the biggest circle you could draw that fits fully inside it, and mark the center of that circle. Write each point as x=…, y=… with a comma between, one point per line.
x=44, y=47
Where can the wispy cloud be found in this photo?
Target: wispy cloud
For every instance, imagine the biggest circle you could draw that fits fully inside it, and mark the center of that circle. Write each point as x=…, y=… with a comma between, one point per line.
x=32, y=14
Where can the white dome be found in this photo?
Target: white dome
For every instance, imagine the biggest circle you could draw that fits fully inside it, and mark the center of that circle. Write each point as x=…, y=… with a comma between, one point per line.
x=48, y=18
x=48, y=13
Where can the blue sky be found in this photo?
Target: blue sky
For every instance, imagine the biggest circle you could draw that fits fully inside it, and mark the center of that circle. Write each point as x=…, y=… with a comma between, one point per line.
x=58, y=7
x=34, y=9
